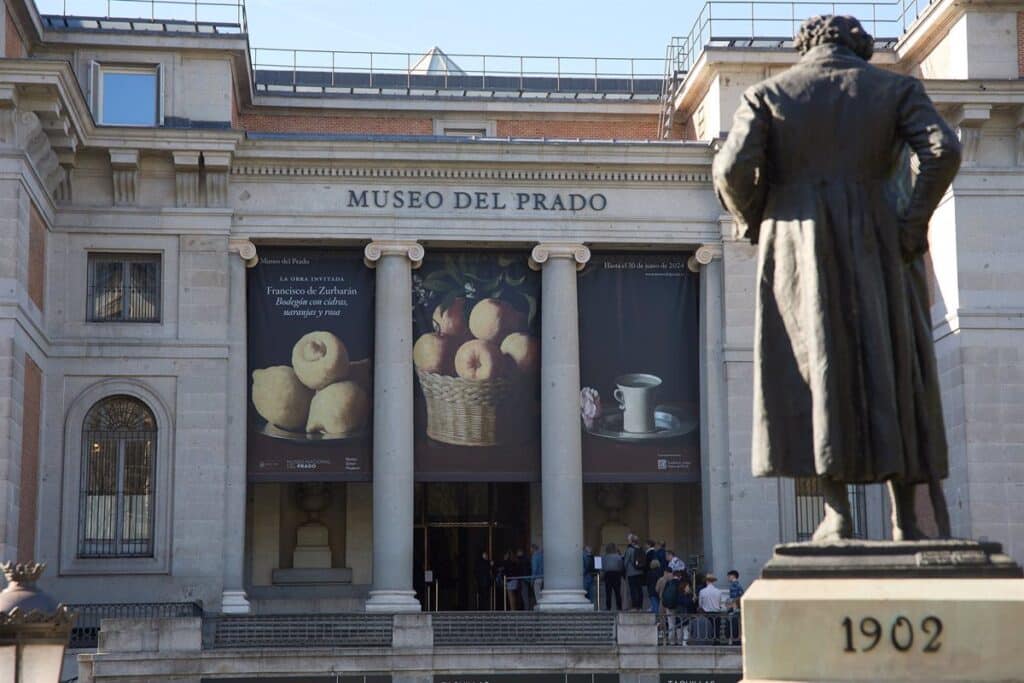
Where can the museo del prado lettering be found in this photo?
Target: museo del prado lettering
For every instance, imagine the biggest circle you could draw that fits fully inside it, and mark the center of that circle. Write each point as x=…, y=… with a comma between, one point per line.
x=484, y=201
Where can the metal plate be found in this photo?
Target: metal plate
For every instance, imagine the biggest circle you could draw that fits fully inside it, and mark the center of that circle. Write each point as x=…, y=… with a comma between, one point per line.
x=308, y=438
x=667, y=425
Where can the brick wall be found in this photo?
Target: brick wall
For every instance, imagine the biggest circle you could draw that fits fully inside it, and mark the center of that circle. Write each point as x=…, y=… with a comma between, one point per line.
x=640, y=127
x=333, y=123
x=1020, y=44
x=14, y=46
x=29, y=483
x=36, y=258
x=619, y=128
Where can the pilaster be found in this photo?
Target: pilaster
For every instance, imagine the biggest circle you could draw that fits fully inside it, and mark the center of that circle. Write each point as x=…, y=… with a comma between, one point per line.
x=233, y=597
x=716, y=476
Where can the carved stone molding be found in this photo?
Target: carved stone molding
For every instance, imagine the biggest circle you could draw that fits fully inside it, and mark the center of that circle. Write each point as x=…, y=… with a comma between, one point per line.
x=545, y=251
x=376, y=250
x=245, y=249
x=124, y=166
x=502, y=174
x=216, y=168
x=186, y=179
x=705, y=254
x=969, y=120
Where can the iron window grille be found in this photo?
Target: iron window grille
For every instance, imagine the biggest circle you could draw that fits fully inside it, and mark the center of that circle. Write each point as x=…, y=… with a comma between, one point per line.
x=810, y=508
x=116, y=509
x=124, y=288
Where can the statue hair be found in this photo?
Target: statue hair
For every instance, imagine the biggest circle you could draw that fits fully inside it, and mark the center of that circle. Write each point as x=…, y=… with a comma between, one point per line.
x=835, y=28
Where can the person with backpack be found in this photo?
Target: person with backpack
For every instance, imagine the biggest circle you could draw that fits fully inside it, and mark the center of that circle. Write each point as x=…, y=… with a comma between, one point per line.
x=636, y=571
x=667, y=602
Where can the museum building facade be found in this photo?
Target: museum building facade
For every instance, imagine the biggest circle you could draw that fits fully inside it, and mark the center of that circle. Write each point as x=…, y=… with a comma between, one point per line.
x=315, y=340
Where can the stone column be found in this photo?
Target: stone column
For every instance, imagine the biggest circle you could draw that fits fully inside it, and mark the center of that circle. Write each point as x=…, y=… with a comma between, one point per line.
x=561, y=443
x=233, y=598
x=717, y=506
x=393, y=426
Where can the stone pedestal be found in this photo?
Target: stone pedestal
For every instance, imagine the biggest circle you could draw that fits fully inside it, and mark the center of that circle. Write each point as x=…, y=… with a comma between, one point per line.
x=312, y=550
x=872, y=611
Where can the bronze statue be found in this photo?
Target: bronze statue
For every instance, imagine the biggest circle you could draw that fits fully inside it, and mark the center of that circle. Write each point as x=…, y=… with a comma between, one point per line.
x=845, y=383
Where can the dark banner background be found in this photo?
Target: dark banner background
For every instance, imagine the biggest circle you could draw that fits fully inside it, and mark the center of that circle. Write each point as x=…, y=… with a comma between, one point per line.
x=475, y=276
x=639, y=314
x=277, y=322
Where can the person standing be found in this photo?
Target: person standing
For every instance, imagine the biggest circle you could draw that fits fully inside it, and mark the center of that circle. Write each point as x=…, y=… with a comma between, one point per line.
x=612, y=567
x=523, y=572
x=536, y=570
x=635, y=572
x=588, y=572
x=484, y=574
x=653, y=574
x=710, y=597
x=735, y=589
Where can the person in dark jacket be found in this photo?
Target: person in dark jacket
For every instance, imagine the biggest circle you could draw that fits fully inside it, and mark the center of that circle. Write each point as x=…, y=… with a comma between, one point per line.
x=483, y=572
x=611, y=570
x=653, y=574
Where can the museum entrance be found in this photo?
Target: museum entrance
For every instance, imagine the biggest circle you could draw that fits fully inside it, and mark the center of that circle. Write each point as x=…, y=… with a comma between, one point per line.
x=457, y=524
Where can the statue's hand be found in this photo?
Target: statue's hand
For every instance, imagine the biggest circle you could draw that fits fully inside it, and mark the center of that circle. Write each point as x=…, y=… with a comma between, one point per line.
x=913, y=241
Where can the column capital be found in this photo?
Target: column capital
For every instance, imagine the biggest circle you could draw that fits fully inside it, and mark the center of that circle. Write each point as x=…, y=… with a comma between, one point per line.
x=245, y=249
x=376, y=250
x=705, y=254
x=579, y=253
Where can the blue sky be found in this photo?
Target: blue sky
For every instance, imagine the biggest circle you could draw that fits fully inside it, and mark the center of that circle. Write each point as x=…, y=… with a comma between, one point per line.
x=589, y=28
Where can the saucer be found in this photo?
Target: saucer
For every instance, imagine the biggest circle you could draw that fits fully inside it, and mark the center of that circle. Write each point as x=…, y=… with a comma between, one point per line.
x=667, y=425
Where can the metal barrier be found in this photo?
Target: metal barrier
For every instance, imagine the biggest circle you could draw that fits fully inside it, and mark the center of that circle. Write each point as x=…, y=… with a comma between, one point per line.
x=298, y=631
x=286, y=71
x=720, y=628
x=523, y=628
x=85, y=634
x=204, y=16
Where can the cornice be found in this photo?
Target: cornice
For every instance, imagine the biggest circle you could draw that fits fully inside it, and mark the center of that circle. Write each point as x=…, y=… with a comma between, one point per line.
x=474, y=174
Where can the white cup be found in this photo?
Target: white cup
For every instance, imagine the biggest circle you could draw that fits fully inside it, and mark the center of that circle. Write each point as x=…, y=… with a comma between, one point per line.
x=635, y=394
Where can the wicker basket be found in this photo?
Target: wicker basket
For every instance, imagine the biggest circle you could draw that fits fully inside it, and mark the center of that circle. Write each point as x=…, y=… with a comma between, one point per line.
x=468, y=412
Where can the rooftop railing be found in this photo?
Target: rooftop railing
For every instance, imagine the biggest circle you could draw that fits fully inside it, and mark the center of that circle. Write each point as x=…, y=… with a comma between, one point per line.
x=201, y=16
x=311, y=72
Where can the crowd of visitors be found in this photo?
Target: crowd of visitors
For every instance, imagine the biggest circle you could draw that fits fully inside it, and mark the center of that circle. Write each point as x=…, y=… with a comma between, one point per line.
x=690, y=605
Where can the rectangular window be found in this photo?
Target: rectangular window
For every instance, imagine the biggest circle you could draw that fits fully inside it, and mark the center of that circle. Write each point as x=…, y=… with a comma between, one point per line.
x=124, y=288
x=127, y=95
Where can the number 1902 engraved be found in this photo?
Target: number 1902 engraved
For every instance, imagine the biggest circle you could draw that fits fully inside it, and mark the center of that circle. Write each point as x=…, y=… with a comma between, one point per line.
x=901, y=634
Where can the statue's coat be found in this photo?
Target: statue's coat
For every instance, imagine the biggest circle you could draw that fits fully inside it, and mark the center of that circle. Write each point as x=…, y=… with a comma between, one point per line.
x=845, y=383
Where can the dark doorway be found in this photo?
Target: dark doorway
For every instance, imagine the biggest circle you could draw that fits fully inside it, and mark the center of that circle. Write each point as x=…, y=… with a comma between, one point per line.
x=456, y=524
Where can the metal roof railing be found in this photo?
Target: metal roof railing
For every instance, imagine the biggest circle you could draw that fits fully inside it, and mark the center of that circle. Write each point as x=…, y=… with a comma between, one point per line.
x=201, y=16
x=332, y=72
x=772, y=24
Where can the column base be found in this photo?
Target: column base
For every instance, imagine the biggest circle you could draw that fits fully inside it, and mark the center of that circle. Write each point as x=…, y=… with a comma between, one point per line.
x=234, y=602
x=555, y=600
x=393, y=601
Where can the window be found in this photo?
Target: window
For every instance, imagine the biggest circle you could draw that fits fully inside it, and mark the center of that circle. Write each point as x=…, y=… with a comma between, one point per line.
x=810, y=508
x=116, y=493
x=124, y=288
x=126, y=95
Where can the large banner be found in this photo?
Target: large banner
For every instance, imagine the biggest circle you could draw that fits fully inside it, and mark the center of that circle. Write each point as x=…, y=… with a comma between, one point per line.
x=310, y=366
x=476, y=324
x=639, y=369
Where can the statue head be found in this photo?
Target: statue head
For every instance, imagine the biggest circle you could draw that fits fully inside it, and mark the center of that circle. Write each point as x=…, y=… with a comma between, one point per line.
x=838, y=29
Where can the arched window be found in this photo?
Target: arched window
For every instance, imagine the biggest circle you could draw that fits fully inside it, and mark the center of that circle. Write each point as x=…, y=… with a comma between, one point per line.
x=118, y=466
